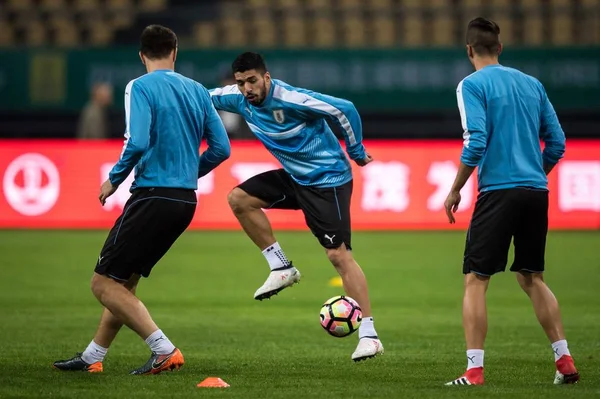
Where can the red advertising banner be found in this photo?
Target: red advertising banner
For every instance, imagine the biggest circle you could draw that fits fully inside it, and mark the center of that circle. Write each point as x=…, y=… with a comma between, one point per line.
x=55, y=184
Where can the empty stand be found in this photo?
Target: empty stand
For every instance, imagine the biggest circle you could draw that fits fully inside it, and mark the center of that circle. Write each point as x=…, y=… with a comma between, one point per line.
x=298, y=23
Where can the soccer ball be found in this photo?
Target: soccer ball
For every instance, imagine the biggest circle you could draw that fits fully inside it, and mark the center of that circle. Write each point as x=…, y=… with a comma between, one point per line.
x=340, y=316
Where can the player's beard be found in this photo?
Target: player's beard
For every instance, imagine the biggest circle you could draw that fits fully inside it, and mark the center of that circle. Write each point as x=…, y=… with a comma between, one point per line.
x=259, y=99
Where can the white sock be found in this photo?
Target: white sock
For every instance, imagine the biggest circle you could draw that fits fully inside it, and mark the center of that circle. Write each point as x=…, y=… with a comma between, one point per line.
x=560, y=349
x=275, y=256
x=159, y=343
x=367, y=329
x=474, y=358
x=94, y=353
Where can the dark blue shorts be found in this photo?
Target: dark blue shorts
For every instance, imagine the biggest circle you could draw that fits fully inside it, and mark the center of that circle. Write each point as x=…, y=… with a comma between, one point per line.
x=152, y=220
x=499, y=217
x=326, y=210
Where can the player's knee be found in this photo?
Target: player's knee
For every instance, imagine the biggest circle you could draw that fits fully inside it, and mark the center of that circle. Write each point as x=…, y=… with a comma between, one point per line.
x=528, y=281
x=339, y=257
x=238, y=200
x=98, y=286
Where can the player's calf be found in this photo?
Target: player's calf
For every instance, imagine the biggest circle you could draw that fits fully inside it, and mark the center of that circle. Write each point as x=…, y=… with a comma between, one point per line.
x=353, y=278
x=355, y=285
x=547, y=311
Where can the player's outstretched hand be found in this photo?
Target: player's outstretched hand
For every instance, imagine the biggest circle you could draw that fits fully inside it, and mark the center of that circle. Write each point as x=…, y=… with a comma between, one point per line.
x=106, y=190
x=364, y=161
x=451, y=205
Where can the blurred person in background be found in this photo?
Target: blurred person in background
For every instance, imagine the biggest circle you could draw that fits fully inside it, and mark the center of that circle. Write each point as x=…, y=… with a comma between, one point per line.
x=93, y=123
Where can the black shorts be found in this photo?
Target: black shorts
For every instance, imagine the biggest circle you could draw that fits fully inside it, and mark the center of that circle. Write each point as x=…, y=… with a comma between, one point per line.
x=152, y=220
x=499, y=216
x=326, y=210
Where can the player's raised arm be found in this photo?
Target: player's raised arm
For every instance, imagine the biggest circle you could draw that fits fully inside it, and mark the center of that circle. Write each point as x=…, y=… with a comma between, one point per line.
x=219, y=147
x=551, y=134
x=138, y=119
x=340, y=111
x=473, y=118
x=227, y=98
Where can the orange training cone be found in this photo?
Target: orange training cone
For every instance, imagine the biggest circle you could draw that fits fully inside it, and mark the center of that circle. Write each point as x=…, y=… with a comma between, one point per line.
x=213, y=382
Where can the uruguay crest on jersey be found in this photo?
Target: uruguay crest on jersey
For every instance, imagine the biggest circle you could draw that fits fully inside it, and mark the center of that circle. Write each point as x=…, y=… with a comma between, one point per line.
x=278, y=115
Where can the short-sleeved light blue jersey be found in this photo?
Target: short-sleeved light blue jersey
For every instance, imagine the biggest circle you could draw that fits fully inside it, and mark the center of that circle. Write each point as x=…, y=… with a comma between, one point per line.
x=166, y=117
x=291, y=124
x=504, y=114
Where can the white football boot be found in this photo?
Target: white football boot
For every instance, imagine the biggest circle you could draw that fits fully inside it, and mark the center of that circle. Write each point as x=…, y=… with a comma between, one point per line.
x=367, y=348
x=277, y=281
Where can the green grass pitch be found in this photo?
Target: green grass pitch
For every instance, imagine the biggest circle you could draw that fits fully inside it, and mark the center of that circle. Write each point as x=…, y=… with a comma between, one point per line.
x=201, y=295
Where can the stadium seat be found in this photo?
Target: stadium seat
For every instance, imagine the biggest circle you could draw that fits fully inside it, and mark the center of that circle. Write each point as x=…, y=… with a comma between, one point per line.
x=233, y=32
x=119, y=4
x=379, y=5
x=66, y=35
x=264, y=33
x=121, y=20
x=501, y=13
x=152, y=5
x=443, y=29
x=35, y=34
x=384, y=32
x=561, y=24
x=53, y=5
x=23, y=19
x=57, y=20
x=259, y=3
x=99, y=35
x=318, y=5
x=19, y=5
x=7, y=34
x=412, y=25
x=534, y=23
x=289, y=5
x=354, y=31
x=205, y=34
x=294, y=31
x=350, y=5
x=590, y=26
x=473, y=4
x=531, y=3
x=469, y=9
x=324, y=32
x=86, y=5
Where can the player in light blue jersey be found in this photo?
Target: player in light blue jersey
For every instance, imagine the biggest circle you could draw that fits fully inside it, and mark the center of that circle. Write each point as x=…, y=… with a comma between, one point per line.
x=166, y=117
x=316, y=177
x=504, y=115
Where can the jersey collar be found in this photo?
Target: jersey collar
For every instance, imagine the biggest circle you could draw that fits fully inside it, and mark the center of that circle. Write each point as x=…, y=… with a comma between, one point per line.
x=492, y=66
